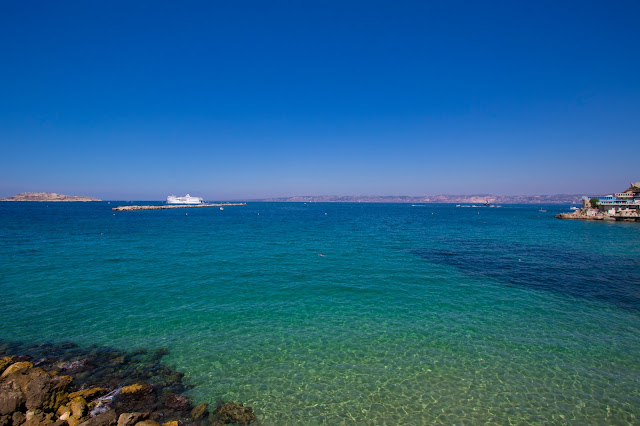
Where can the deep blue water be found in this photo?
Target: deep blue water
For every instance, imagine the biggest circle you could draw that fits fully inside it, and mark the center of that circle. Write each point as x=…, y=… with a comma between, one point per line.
x=345, y=313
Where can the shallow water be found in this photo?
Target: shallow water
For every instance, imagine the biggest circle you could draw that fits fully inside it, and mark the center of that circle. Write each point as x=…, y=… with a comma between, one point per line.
x=411, y=315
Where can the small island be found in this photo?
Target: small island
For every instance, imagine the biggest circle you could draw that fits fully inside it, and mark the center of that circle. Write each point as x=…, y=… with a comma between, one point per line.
x=47, y=196
x=621, y=206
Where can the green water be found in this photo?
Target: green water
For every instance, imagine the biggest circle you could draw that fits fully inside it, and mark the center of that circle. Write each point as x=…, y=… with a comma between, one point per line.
x=345, y=313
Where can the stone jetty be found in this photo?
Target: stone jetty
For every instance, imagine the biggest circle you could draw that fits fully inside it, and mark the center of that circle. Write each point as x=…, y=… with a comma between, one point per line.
x=65, y=385
x=174, y=206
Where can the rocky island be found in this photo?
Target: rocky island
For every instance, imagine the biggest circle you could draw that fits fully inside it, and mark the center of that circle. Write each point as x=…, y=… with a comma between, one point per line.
x=47, y=196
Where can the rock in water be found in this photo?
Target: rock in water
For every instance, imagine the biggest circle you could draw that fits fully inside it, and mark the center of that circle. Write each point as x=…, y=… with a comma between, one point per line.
x=108, y=418
x=89, y=394
x=177, y=402
x=231, y=412
x=130, y=419
x=137, y=389
x=200, y=411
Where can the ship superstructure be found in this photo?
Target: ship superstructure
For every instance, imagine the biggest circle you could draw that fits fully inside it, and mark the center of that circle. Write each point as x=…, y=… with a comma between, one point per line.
x=187, y=199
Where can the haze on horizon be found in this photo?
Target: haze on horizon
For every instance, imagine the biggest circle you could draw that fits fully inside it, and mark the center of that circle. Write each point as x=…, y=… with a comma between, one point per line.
x=245, y=100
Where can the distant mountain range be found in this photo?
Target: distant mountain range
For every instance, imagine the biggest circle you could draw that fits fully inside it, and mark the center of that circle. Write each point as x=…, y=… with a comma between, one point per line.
x=471, y=199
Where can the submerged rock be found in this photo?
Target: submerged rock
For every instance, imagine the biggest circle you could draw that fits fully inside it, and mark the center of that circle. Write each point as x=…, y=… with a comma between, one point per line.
x=231, y=412
x=136, y=389
x=177, y=402
x=200, y=411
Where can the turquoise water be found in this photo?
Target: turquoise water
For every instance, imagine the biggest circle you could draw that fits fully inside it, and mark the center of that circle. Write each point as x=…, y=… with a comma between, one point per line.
x=345, y=313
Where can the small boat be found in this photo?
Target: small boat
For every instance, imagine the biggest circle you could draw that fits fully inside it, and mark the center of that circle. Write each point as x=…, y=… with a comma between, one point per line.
x=574, y=208
x=542, y=211
x=221, y=208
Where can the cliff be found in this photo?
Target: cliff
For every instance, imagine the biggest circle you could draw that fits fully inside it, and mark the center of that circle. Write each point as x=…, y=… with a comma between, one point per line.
x=47, y=196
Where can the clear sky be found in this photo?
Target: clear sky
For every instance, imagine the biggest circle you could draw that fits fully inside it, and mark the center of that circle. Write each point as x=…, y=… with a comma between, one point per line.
x=239, y=99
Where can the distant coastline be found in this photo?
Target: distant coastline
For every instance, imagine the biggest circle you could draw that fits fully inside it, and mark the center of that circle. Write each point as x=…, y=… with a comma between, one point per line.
x=472, y=199
x=48, y=197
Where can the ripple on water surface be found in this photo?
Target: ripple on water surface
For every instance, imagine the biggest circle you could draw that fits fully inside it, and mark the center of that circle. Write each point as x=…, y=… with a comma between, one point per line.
x=408, y=317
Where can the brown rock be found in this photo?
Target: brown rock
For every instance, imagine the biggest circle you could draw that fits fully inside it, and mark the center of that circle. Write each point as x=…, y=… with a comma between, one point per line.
x=171, y=423
x=200, y=411
x=72, y=421
x=78, y=406
x=24, y=376
x=15, y=367
x=11, y=398
x=47, y=392
x=38, y=418
x=231, y=412
x=63, y=412
x=177, y=402
x=5, y=421
x=18, y=418
x=136, y=389
x=130, y=419
x=5, y=361
x=147, y=423
x=108, y=418
x=89, y=394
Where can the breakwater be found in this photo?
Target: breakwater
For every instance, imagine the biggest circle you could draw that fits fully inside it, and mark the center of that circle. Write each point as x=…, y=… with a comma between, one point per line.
x=174, y=206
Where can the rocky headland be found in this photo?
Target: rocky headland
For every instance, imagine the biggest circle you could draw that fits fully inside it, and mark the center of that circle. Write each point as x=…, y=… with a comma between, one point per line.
x=47, y=196
x=66, y=385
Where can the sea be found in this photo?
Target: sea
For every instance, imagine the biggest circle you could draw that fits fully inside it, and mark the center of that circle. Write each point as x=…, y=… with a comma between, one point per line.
x=344, y=313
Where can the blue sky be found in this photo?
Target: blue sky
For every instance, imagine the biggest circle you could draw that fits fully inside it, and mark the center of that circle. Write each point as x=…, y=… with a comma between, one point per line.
x=238, y=99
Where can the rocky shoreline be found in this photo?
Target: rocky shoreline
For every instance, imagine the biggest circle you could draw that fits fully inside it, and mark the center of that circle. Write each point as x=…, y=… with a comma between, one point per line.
x=596, y=215
x=67, y=385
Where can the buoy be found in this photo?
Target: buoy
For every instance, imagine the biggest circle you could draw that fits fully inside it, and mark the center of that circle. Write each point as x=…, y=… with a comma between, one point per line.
x=320, y=254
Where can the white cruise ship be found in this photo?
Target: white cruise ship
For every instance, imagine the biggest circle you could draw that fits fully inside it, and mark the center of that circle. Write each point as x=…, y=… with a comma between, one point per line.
x=187, y=199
